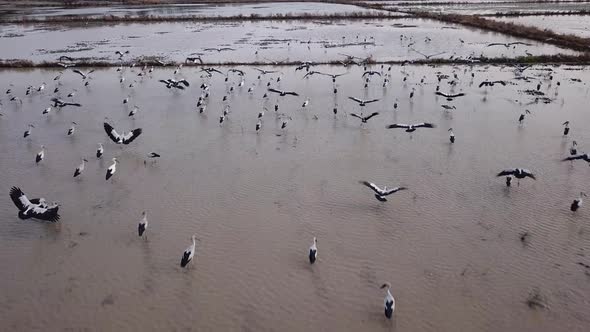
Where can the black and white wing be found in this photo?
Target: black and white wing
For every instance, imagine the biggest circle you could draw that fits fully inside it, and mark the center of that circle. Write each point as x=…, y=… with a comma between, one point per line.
x=373, y=187
x=585, y=157
x=393, y=190
x=79, y=72
x=132, y=135
x=424, y=125
x=112, y=133
x=507, y=172
x=48, y=213
x=274, y=90
x=356, y=115
x=528, y=173
x=20, y=199
x=372, y=115
x=398, y=125
x=371, y=101
x=355, y=99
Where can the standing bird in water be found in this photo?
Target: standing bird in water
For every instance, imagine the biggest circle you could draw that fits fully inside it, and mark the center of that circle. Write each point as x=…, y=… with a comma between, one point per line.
x=99, y=151
x=188, y=254
x=451, y=135
x=80, y=168
x=521, y=118
x=72, y=129
x=143, y=224
x=28, y=132
x=577, y=202
x=112, y=169
x=40, y=155
x=566, y=130
x=313, y=251
x=573, y=149
x=389, y=301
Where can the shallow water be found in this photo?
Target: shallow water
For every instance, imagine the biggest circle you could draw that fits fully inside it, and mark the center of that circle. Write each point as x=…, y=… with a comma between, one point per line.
x=449, y=245
x=482, y=8
x=275, y=41
x=574, y=24
x=207, y=10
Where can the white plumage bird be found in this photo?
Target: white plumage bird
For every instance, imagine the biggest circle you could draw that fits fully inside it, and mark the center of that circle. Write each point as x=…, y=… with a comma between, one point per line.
x=80, y=168
x=143, y=224
x=313, y=251
x=189, y=253
x=389, y=302
x=112, y=169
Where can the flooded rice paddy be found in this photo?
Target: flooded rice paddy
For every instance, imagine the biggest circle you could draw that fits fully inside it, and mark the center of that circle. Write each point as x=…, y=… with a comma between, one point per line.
x=574, y=24
x=321, y=40
x=179, y=10
x=488, y=7
x=450, y=245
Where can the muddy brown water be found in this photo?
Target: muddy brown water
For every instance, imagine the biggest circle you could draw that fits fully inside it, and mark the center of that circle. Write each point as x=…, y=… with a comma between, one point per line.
x=449, y=245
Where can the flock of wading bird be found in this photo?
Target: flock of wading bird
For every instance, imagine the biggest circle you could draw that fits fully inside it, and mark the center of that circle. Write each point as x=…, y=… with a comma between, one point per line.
x=39, y=208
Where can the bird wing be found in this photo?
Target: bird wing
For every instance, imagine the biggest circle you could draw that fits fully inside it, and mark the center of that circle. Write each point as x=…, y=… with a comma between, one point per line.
x=580, y=156
x=372, y=115
x=20, y=199
x=441, y=94
x=506, y=172
x=185, y=82
x=356, y=115
x=496, y=44
x=372, y=186
x=456, y=95
x=79, y=72
x=44, y=213
x=112, y=133
x=355, y=99
x=132, y=135
x=501, y=82
x=291, y=93
x=398, y=125
x=371, y=101
x=424, y=124
x=72, y=104
x=528, y=173
x=274, y=90
x=484, y=83
x=393, y=190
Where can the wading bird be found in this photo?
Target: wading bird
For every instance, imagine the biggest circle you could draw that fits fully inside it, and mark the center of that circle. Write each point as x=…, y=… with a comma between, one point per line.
x=143, y=224
x=34, y=208
x=40, y=155
x=577, y=202
x=189, y=253
x=72, y=129
x=380, y=194
x=313, y=251
x=28, y=131
x=112, y=169
x=521, y=117
x=389, y=302
x=566, y=129
x=99, y=151
x=451, y=135
x=80, y=168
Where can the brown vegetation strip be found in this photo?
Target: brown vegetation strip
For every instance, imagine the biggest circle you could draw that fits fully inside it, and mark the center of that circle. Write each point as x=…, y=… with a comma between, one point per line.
x=463, y=3
x=150, y=18
x=583, y=59
x=544, y=13
x=512, y=29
